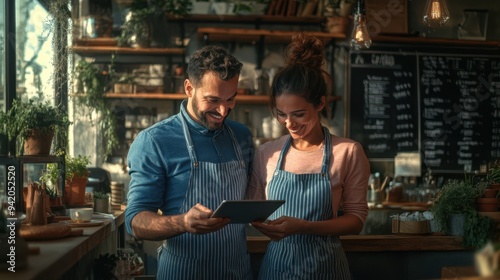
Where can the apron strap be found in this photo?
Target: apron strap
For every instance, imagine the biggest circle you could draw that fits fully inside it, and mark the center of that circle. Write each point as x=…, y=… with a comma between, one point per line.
x=190, y=146
x=327, y=151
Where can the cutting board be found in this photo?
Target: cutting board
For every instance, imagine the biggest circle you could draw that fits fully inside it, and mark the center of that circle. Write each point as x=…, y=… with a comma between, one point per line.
x=48, y=231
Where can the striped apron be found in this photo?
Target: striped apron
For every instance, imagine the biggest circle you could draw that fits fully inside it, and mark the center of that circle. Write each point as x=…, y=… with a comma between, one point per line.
x=308, y=197
x=217, y=255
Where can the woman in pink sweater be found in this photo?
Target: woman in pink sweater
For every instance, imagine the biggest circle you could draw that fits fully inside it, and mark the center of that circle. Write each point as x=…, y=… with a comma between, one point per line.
x=315, y=172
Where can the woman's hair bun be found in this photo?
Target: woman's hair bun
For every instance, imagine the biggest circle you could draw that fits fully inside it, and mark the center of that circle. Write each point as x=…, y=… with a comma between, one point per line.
x=305, y=49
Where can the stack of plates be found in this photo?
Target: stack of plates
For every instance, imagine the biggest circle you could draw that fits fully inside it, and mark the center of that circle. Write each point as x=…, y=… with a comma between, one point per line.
x=116, y=192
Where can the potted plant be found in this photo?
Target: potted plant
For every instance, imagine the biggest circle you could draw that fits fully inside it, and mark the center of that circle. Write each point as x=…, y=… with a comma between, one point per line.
x=455, y=212
x=54, y=197
x=125, y=84
x=488, y=201
x=101, y=202
x=137, y=30
x=76, y=176
x=91, y=94
x=33, y=125
x=493, y=175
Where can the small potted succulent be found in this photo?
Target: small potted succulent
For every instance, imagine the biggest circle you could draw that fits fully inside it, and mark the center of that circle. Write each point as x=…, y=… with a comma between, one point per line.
x=101, y=202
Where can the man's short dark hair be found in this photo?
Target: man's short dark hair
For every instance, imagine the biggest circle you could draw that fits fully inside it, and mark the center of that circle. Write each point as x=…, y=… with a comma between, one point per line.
x=212, y=59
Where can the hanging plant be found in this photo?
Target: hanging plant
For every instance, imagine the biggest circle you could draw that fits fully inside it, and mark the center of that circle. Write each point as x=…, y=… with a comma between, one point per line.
x=91, y=85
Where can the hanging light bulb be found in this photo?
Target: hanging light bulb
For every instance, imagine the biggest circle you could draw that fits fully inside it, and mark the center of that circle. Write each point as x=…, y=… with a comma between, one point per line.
x=436, y=13
x=360, y=38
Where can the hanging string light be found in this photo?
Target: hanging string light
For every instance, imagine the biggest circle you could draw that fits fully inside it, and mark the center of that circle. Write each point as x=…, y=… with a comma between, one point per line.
x=436, y=13
x=360, y=38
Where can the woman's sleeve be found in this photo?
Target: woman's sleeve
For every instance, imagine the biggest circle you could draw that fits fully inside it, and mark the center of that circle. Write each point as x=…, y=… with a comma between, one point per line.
x=257, y=183
x=356, y=183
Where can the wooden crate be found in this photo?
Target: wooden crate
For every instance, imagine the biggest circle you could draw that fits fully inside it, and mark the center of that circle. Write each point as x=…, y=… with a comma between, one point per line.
x=410, y=227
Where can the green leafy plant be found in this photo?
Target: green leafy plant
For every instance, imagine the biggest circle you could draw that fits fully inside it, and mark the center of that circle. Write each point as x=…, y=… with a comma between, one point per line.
x=478, y=230
x=91, y=93
x=144, y=15
x=74, y=166
x=19, y=121
x=51, y=192
x=459, y=197
x=493, y=174
x=137, y=28
x=100, y=195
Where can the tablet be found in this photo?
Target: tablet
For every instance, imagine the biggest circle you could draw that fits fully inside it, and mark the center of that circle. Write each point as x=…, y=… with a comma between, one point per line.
x=246, y=211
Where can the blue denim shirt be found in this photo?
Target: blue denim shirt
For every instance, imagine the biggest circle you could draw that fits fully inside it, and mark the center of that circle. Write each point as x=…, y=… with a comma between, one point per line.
x=159, y=162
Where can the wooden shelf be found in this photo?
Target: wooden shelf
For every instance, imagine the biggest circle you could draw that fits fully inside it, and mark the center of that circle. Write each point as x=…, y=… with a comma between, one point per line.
x=93, y=49
x=100, y=41
x=413, y=40
x=254, y=35
x=165, y=96
x=251, y=19
x=246, y=99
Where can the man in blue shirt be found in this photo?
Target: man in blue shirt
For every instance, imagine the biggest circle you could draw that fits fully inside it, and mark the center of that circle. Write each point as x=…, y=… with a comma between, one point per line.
x=185, y=166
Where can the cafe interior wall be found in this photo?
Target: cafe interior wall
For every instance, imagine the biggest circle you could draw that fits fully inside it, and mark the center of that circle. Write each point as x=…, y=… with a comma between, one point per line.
x=247, y=54
x=87, y=134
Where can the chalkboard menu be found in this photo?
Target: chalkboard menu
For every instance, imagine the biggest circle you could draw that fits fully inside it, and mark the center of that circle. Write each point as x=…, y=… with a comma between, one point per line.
x=460, y=120
x=444, y=106
x=383, y=103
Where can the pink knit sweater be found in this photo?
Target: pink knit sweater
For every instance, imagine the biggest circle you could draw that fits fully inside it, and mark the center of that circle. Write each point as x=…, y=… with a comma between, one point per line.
x=349, y=171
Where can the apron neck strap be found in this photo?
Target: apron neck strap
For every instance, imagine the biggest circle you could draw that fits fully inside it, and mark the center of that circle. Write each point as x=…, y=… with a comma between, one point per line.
x=190, y=146
x=327, y=148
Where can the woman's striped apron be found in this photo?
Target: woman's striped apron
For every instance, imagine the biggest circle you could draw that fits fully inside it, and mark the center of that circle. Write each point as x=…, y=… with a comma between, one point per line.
x=308, y=197
x=218, y=255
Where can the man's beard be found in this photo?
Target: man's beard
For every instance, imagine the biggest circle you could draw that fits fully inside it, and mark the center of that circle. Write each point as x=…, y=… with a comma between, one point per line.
x=201, y=116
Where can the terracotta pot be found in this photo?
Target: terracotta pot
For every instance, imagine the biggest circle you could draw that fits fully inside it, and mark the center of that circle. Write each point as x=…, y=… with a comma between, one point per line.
x=487, y=204
x=38, y=142
x=490, y=193
x=75, y=191
x=57, y=201
x=494, y=186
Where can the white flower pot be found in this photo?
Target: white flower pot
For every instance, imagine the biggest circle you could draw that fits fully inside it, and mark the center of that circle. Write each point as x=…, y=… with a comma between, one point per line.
x=200, y=8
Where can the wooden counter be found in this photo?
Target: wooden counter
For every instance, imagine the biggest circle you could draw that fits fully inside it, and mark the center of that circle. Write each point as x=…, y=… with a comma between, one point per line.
x=378, y=243
x=58, y=257
x=391, y=257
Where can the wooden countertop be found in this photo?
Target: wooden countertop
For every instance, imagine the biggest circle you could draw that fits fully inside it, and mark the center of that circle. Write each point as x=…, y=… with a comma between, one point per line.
x=377, y=243
x=58, y=256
